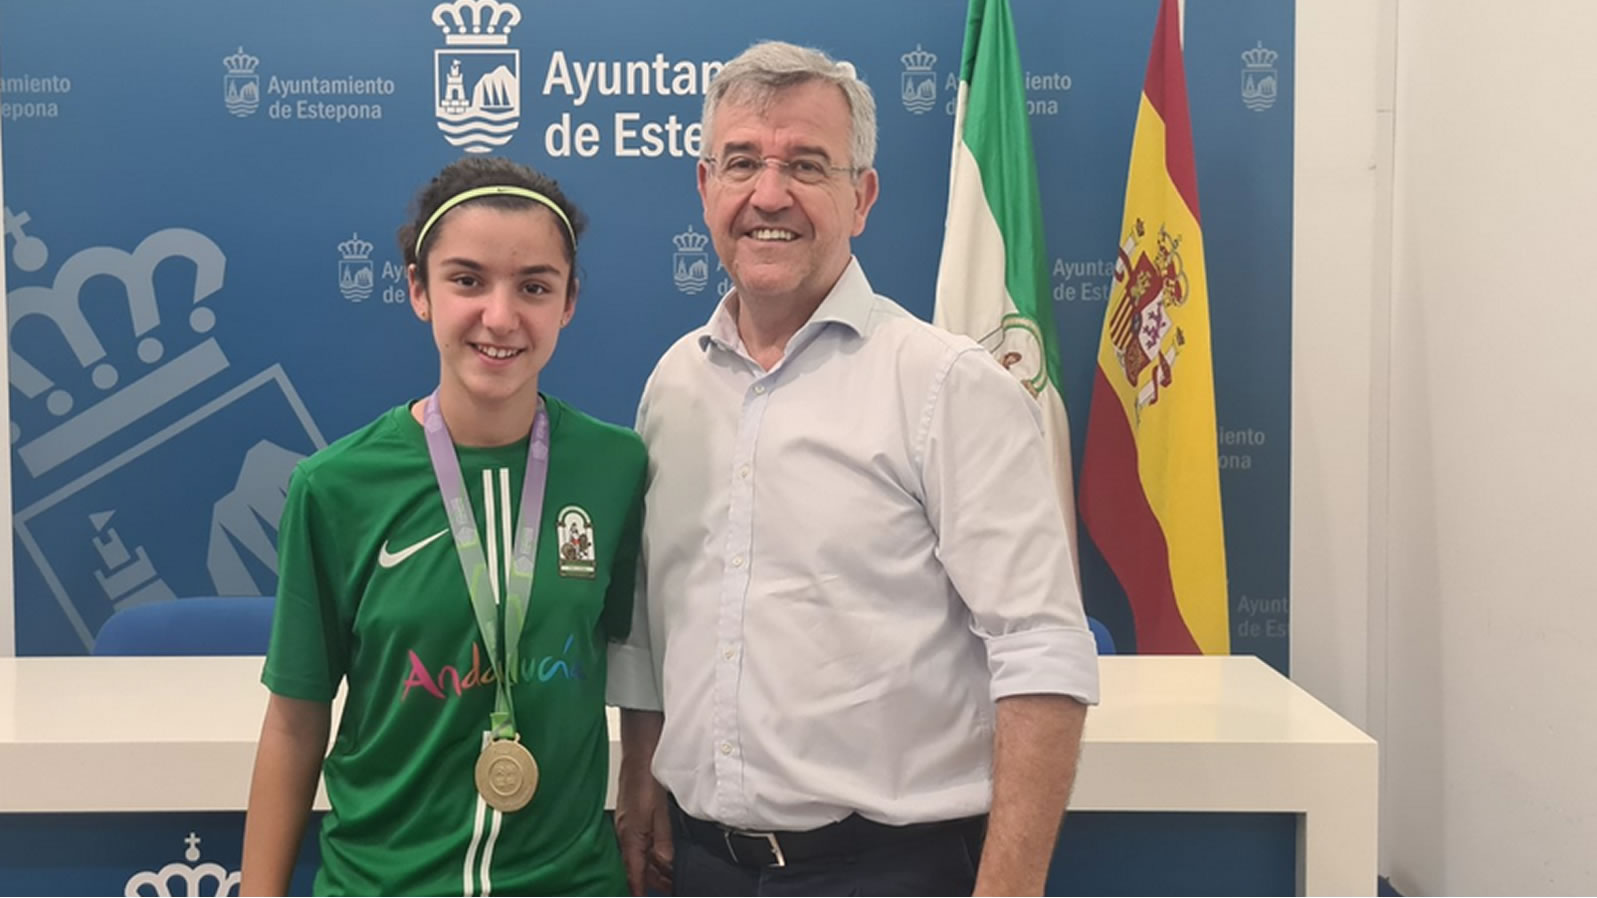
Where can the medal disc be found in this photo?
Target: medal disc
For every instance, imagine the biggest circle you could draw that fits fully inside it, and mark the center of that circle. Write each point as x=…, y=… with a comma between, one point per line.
x=507, y=775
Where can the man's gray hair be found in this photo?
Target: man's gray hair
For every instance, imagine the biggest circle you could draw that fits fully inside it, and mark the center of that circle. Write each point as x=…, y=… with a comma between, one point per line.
x=759, y=72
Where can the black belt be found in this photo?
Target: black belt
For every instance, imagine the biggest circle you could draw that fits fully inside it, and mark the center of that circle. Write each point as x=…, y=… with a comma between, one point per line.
x=852, y=834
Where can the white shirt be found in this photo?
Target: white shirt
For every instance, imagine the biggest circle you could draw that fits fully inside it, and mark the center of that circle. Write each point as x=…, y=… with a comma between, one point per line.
x=847, y=560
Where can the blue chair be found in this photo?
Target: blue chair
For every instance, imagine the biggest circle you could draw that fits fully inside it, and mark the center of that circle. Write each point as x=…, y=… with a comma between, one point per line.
x=206, y=625
x=1106, y=642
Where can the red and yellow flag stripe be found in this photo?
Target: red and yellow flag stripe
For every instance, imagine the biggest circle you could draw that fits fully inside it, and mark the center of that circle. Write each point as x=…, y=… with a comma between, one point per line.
x=1150, y=483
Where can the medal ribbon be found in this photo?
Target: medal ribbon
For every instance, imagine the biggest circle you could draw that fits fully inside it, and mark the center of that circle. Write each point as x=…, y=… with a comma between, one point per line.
x=468, y=545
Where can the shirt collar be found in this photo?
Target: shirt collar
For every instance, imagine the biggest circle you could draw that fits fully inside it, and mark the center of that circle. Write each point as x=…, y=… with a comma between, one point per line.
x=848, y=304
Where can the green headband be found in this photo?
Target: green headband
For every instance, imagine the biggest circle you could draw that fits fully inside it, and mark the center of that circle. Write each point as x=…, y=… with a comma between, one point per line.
x=498, y=190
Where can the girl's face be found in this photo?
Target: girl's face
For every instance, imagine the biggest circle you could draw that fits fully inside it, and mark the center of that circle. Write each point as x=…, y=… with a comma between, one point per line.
x=498, y=291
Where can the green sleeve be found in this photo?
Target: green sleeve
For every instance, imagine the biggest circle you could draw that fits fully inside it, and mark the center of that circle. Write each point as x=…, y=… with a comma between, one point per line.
x=624, y=567
x=309, y=650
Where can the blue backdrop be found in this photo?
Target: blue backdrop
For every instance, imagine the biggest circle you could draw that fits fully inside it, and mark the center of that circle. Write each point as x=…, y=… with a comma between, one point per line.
x=204, y=287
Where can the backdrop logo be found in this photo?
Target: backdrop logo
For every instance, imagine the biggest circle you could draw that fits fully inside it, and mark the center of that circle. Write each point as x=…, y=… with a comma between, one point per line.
x=209, y=878
x=476, y=76
x=355, y=274
x=29, y=253
x=918, y=83
x=111, y=514
x=147, y=384
x=241, y=87
x=1259, y=77
x=690, y=264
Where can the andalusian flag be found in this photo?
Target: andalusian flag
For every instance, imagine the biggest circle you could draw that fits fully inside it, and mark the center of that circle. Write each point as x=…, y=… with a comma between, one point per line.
x=992, y=282
x=1150, y=481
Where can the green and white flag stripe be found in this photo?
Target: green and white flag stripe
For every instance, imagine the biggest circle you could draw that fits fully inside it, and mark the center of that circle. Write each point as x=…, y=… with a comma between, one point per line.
x=992, y=280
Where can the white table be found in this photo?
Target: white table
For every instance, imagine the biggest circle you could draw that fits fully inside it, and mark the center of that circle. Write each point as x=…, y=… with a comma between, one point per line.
x=1227, y=734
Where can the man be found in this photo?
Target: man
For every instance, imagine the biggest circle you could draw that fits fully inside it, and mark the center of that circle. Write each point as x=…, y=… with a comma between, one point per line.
x=860, y=616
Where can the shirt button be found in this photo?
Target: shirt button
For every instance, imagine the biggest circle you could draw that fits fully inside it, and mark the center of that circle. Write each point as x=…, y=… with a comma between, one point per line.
x=729, y=654
x=737, y=561
x=744, y=472
x=759, y=388
x=726, y=748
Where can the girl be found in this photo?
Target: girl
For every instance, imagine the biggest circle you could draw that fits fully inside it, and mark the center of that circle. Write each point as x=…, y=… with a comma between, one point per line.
x=458, y=564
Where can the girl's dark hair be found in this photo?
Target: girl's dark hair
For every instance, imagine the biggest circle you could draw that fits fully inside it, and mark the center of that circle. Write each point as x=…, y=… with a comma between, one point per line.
x=484, y=171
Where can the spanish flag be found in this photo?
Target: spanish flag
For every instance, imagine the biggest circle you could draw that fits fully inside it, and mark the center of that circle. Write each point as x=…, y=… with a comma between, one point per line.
x=1150, y=480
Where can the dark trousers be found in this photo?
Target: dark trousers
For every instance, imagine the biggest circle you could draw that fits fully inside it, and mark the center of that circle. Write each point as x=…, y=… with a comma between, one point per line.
x=870, y=859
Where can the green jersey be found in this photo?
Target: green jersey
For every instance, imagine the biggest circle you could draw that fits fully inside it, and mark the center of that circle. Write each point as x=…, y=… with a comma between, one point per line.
x=370, y=589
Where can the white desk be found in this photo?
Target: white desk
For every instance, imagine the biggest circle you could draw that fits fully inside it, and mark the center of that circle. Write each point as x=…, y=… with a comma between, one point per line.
x=1222, y=734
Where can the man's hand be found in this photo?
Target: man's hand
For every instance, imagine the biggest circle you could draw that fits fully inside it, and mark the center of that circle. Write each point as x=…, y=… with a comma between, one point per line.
x=643, y=822
x=643, y=829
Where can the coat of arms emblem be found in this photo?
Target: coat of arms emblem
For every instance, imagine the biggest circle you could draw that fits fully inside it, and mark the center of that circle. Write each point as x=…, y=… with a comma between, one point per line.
x=1150, y=284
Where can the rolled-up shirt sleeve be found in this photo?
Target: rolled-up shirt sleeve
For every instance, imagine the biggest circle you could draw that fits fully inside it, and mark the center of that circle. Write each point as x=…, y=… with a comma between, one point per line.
x=633, y=675
x=633, y=681
x=1001, y=533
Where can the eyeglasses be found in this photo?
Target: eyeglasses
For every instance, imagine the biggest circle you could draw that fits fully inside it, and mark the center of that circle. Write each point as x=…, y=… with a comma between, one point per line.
x=741, y=168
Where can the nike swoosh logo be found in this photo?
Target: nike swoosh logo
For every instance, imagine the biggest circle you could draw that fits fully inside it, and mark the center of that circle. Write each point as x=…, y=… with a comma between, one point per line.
x=389, y=559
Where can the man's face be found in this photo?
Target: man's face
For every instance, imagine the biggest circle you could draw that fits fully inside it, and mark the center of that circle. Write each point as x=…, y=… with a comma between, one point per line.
x=780, y=239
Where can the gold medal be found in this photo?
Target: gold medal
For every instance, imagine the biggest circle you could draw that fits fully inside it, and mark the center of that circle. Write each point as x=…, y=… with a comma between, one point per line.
x=507, y=775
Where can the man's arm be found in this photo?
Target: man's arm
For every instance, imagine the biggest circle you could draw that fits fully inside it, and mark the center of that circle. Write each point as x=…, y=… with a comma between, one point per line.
x=643, y=826
x=1037, y=742
x=1004, y=540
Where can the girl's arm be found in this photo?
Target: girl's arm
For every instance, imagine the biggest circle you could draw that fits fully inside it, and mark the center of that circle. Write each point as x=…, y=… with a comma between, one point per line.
x=288, y=762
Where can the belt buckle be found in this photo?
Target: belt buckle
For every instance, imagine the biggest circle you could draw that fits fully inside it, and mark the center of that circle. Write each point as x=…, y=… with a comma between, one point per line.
x=776, y=847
